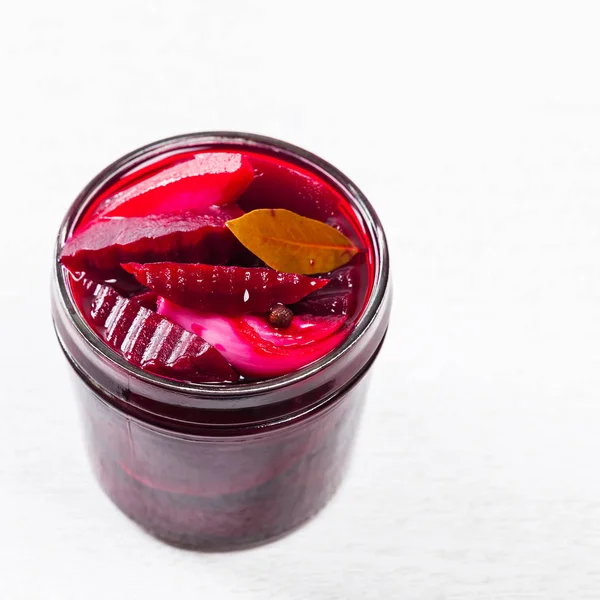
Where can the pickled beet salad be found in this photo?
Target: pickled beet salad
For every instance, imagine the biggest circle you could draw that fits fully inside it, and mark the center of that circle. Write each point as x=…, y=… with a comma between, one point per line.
x=220, y=267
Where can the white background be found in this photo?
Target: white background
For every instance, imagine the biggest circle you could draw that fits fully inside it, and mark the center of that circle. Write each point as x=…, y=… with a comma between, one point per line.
x=474, y=128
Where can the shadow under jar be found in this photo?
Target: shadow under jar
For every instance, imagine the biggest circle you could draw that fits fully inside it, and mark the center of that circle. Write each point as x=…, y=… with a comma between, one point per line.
x=222, y=466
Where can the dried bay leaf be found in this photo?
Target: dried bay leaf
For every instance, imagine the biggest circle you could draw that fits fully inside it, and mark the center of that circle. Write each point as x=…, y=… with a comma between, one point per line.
x=291, y=243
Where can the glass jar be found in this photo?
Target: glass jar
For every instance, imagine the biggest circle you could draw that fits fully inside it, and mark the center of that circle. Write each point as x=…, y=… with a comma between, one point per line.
x=221, y=466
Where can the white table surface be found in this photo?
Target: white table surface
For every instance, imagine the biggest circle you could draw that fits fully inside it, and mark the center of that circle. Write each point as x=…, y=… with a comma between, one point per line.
x=475, y=131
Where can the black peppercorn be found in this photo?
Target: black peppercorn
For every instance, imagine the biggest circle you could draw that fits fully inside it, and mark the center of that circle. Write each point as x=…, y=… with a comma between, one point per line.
x=280, y=316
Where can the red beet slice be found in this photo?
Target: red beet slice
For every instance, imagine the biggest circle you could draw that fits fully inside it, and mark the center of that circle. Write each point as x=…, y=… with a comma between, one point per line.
x=209, y=179
x=277, y=185
x=225, y=290
x=253, y=347
x=146, y=299
x=188, y=237
x=150, y=341
x=335, y=299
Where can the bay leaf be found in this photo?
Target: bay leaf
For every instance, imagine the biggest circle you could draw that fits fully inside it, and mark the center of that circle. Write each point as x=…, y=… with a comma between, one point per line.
x=288, y=242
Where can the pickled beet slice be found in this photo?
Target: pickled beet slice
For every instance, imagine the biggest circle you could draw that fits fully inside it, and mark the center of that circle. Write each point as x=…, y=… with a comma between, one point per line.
x=209, y=179
x=253, y=347
x=276, y=185
x=152, y=342
x=225, y=290
x=147, y=299
x=188, y=237
x=335, y=299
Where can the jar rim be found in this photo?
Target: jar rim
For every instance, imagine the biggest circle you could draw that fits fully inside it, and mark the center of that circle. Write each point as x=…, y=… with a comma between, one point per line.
x=249, y=141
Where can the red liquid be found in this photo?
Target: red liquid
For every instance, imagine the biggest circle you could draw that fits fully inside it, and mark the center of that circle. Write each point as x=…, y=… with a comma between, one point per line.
x=276, y=184
x=223, y=479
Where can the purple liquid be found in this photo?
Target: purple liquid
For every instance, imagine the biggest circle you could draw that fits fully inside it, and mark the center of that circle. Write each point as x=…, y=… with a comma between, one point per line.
x=276, y=184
